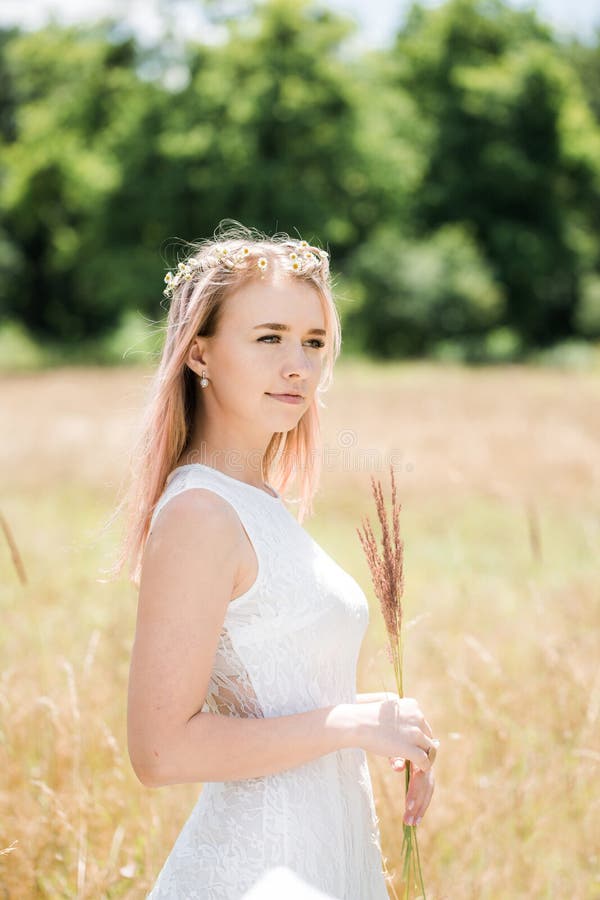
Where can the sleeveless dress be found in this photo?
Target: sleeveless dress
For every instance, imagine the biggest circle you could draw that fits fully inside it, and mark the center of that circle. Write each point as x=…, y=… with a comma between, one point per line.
x=288, y=644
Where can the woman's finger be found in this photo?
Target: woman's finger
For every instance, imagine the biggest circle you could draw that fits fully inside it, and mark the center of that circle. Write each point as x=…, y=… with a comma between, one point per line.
x=414, y=795
x=417, y=800
x=424, y=805
x=427, y=729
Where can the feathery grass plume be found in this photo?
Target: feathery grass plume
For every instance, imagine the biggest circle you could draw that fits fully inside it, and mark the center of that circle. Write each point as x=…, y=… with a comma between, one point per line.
x=14, y=550
x=386, y=567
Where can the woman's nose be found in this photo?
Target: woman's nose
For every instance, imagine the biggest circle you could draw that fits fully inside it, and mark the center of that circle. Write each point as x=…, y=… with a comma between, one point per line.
x=299, y=361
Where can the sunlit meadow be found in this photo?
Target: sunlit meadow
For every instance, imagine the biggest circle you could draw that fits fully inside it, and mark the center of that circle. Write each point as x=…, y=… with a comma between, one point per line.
x=498, y=472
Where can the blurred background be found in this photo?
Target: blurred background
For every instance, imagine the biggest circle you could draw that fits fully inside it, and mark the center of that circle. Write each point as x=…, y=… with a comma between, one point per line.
x=448, y=156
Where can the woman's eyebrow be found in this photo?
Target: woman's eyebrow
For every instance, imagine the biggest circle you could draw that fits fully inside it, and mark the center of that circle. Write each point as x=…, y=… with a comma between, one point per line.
x=277, y=326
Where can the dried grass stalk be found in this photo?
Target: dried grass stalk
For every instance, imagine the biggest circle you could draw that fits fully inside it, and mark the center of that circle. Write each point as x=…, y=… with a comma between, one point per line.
x=386, y=565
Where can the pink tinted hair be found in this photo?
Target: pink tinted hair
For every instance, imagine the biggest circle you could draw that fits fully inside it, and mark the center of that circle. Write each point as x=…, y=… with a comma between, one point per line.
x=168, y=415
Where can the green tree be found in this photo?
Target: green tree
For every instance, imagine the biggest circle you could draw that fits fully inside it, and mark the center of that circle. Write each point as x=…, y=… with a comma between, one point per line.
x=274, y=129
x=585, y=60
x=77, y=95
x=413, y=295
x=515, y=152
x=465, y=159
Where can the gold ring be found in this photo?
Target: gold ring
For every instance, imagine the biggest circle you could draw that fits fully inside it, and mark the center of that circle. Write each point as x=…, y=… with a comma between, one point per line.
x=431, y=753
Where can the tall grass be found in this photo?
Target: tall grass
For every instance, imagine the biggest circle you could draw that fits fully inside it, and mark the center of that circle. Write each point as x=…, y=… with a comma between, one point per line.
x=498, y=475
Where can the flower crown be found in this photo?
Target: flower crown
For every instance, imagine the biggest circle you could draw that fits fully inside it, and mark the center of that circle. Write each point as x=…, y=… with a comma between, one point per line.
x=301, y=259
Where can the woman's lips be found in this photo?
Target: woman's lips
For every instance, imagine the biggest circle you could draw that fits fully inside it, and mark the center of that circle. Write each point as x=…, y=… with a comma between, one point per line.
x=287, y=398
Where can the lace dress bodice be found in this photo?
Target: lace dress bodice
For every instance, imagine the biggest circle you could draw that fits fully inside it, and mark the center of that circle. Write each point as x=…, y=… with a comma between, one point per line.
x=288, y=644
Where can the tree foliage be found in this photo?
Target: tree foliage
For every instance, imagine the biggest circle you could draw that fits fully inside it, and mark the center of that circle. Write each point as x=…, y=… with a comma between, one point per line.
x=455, y=176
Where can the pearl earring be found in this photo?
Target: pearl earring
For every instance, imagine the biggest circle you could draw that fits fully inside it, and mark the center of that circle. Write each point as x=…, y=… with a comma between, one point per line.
x=204, y=379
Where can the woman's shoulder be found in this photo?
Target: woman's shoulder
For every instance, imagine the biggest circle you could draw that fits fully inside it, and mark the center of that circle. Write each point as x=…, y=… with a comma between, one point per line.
x=195, y=511
x=191, y=560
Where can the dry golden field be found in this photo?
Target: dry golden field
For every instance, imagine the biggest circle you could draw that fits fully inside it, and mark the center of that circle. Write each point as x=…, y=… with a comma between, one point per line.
x=499, y=477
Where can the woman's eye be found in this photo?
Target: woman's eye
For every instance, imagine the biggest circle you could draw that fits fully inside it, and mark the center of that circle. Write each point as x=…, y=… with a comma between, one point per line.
x=314, y=341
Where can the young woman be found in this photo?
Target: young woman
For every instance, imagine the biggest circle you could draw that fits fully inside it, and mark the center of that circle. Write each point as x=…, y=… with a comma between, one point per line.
x=243, y=666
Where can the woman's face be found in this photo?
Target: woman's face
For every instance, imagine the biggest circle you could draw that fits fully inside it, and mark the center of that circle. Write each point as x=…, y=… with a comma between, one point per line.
x=249, y=361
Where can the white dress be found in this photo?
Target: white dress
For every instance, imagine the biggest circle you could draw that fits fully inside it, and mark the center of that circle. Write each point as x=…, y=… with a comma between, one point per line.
x=289, y=644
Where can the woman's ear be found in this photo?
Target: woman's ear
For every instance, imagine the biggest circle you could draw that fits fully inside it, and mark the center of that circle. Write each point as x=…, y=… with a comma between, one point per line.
x=196, y=358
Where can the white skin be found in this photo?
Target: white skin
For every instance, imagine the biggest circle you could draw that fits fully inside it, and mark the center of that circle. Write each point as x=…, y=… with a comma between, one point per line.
x=236, y=419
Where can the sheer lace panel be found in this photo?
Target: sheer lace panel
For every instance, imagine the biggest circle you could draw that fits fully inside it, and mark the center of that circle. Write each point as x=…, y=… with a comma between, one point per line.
x=230, y=691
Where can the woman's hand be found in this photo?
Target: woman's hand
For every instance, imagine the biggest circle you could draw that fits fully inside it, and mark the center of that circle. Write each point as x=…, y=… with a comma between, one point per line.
x=420, y=790
x=394, y=726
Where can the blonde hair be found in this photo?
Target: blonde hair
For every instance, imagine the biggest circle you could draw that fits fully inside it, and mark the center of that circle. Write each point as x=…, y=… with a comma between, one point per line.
x=168, y=417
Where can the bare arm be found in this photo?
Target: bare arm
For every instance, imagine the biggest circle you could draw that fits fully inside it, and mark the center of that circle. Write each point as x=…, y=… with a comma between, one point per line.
x=254, y=747
x=263, y=746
